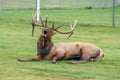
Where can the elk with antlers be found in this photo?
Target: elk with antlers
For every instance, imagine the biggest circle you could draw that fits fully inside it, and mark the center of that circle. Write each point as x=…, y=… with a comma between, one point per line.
x=47, y=50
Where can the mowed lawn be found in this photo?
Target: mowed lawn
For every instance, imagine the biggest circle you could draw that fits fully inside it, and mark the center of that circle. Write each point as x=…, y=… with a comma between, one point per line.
x=94, y=26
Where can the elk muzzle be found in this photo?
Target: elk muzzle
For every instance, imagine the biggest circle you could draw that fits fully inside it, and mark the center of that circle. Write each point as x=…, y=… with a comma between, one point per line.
x=45, y=32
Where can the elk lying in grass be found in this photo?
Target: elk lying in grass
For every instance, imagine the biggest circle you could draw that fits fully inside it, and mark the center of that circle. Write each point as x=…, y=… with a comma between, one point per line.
x=47, y=50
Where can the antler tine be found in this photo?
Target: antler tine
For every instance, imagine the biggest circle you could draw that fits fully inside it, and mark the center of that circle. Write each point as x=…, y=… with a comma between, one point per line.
x=35, y=23
x=33, y=26
x=53, y=24
x=74, y=24
x=69, y=32
x=46, y=21
x=72, y=28
x=41, y=21
x=60, y=26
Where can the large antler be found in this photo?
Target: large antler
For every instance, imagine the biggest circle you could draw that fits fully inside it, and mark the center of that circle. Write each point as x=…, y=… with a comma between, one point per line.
x=53, y=28
x=37, y=24
x=69, y=32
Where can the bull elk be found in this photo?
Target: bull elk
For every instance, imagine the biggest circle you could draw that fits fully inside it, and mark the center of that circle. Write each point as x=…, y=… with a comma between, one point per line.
x=46, y=50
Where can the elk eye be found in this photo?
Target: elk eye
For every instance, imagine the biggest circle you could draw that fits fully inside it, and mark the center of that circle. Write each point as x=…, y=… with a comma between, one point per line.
x=45, y=32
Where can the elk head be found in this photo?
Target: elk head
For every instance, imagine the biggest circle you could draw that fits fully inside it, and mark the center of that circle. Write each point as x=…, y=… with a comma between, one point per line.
x=48, y=32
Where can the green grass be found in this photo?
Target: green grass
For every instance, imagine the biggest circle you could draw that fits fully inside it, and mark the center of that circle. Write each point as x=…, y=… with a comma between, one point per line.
x=93, y=26
x=25, y=4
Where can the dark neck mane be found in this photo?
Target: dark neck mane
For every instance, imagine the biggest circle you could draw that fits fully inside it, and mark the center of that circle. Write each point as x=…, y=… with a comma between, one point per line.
x=45, y=46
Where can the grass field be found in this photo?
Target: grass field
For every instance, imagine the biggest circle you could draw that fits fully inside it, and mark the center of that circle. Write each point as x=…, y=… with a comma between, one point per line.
x=93, y=26
x=74, y=3
x=25, y=4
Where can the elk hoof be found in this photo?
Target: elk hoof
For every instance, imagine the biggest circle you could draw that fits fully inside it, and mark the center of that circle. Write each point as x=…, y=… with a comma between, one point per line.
x=20, y=60
x=69, y=62
x=53, y=62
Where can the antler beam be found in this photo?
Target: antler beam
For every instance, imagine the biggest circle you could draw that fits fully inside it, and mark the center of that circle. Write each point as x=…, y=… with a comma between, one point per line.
x=36, y=23
x=69, y=32
x=42, y=24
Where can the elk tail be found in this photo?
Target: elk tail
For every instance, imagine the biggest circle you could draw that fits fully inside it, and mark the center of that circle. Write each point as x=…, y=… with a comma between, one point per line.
x=100, y=56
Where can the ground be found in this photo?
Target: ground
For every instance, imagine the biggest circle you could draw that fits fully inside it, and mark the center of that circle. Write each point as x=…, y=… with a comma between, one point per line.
x=93, y=26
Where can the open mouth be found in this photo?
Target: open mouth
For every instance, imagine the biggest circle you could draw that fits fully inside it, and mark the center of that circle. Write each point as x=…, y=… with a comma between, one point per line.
x=45, y=32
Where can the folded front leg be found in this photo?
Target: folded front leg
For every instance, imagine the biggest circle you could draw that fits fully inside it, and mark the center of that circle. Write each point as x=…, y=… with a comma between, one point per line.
x=57, y=57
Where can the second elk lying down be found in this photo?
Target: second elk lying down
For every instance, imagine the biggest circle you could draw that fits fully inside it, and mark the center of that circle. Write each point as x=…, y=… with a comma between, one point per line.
x=47, y=50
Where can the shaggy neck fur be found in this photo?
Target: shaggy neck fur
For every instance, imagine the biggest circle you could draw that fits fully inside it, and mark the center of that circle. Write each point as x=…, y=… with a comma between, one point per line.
x=45, y=46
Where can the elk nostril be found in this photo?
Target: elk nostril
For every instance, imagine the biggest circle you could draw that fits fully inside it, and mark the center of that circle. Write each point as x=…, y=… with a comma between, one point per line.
x=45, y=32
